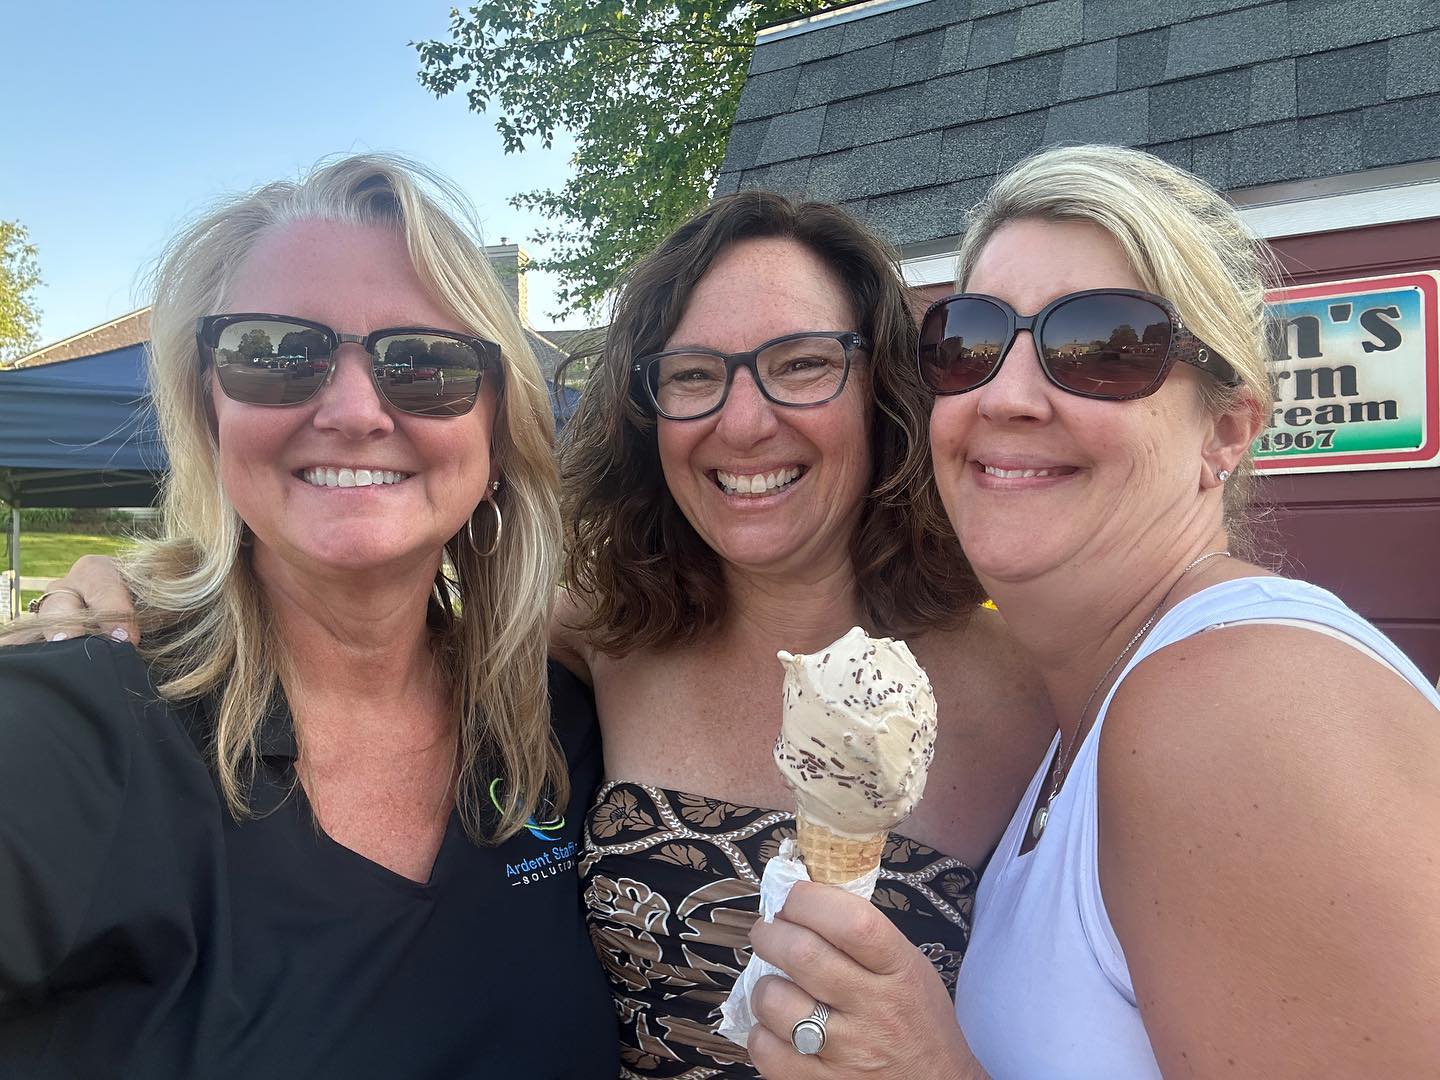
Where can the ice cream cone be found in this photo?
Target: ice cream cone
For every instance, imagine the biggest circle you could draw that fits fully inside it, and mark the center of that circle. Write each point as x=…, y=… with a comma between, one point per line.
x=857, y=735
x=832, y=859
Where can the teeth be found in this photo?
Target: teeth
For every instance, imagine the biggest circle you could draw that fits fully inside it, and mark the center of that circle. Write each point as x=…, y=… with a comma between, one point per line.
x=333, y=476
x=1016, y=474
x=758, y=483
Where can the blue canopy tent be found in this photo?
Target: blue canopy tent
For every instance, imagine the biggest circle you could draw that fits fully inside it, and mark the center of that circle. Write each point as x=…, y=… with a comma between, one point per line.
x=77, y=433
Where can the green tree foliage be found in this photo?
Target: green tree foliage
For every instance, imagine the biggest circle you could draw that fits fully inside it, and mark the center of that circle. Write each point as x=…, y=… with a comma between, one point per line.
x=19, y=277
x=408, y=351
x=303, y=343
x=255, y=345
x=648, y=89
x=452, y=354
x=1124, y=337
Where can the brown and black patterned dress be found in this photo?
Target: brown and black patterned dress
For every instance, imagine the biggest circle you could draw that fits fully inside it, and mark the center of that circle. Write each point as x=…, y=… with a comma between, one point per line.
x=672, y=885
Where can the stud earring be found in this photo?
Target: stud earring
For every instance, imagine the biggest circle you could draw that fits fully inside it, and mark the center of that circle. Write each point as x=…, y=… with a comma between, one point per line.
x=1223, y=475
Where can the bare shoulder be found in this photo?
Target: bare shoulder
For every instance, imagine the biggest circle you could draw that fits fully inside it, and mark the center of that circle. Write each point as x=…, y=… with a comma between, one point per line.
x=1267, y=797
x=568, y=643
x=1266, y=703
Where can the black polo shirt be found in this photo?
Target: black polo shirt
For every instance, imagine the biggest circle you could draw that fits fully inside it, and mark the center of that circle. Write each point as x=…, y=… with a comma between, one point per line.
x=144, y=933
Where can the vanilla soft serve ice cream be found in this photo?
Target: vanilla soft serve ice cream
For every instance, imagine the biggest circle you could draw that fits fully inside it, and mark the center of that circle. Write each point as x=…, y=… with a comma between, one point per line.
x=856, y=738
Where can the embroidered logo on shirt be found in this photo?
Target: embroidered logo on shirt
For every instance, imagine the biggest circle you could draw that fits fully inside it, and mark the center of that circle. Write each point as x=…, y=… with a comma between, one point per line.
x=549, y=829
x=557, y=859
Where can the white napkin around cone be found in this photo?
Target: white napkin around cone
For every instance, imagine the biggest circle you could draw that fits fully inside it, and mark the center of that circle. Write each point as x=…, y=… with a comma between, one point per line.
x=781, y=874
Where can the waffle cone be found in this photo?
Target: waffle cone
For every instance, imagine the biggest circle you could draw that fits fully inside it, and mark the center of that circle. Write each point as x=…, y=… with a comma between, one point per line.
x=830, y=858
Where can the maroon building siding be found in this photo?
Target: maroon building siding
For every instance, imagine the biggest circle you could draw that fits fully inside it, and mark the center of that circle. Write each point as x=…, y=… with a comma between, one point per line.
x=1373, y=538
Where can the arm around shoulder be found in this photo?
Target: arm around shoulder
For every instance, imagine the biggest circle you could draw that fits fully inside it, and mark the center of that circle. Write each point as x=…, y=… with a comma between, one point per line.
x=64, y=760
x=1268, y=799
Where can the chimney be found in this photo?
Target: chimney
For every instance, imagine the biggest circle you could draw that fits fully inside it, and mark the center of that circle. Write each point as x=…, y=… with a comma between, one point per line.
x=509, y=261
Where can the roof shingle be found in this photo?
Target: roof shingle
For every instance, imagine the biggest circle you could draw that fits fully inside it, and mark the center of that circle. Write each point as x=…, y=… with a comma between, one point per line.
x=904, y=112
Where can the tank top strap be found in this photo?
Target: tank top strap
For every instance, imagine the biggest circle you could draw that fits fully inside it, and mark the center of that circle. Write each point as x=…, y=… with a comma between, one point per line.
x=1255, y=599
x=1258, y=599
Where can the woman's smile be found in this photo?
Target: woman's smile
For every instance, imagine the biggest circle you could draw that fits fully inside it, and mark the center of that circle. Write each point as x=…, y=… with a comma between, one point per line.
x=1010, y=474
x=750, y=485
x=344, y=476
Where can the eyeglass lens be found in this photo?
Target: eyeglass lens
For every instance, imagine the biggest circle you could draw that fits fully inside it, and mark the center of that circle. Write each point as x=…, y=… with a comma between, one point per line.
x=800, y=371
x=1102, y=346
x=272, y=362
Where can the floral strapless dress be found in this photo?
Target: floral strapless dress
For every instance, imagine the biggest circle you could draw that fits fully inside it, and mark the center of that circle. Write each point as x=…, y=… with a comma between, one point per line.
x=672, y=885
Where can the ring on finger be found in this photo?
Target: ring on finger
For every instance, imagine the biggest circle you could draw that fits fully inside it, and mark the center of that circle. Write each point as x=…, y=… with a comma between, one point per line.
x=33, y=607
x=808, y=1036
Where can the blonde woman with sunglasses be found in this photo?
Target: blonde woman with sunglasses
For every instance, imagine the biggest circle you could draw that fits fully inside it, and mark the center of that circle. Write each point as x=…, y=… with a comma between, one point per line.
x=1225, y=862
x=323, y=821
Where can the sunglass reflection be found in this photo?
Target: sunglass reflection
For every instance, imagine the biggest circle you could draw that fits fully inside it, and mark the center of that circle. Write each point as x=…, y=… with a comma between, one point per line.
x=1110, y=344
x=277, y=360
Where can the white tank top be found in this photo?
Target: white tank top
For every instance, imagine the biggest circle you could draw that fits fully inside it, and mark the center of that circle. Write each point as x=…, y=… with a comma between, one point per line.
x=1044, y=991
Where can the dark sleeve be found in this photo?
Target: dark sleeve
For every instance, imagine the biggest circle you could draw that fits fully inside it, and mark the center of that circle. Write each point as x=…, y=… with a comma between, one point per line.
x=65, y=742
x=572, y=711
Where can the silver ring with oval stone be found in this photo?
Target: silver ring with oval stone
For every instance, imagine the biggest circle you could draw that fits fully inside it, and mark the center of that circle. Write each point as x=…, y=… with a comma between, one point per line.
x=808, y=1036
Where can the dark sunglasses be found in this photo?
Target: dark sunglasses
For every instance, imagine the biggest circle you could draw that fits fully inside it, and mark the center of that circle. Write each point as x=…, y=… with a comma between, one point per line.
x=797, y=371
x=1110, y=344
x=285, y=360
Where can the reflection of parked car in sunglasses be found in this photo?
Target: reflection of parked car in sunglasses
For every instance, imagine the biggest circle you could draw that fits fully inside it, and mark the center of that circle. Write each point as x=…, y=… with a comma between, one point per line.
x=407, y=373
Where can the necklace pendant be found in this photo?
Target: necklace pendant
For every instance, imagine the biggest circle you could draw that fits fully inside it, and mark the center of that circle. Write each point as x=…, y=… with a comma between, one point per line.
x=1038, y=822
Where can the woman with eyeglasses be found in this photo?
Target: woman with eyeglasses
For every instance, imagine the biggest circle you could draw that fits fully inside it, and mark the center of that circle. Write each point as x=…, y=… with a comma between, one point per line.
x=747, y=472
x=1224, y=863
x=322, y=822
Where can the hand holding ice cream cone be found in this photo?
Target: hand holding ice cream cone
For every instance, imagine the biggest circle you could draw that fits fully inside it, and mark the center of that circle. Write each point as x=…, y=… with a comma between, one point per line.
x=856, y=740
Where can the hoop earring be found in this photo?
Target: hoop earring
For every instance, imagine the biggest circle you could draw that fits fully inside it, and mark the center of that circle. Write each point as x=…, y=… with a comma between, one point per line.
x=499, y=524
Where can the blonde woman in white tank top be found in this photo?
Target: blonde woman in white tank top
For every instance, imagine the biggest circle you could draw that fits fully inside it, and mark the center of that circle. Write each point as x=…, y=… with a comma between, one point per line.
x=1242, y=878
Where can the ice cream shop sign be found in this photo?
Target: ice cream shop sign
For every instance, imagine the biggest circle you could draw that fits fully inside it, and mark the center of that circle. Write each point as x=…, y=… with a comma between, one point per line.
x=1357, y=376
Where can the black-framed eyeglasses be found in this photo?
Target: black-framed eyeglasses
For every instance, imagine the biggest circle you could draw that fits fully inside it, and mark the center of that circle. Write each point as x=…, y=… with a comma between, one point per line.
x=262, y=359
x=797, y=371
x=1110, y=344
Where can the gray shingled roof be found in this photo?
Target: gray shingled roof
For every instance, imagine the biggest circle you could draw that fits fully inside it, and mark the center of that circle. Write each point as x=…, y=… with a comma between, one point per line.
x=906, y=116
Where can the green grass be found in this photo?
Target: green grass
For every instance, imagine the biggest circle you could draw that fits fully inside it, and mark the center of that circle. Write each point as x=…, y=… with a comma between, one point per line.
x=47, y=554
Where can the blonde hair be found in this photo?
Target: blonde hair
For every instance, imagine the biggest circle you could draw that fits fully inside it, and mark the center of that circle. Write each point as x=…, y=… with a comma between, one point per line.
x=1183, y=241
x=205, y=624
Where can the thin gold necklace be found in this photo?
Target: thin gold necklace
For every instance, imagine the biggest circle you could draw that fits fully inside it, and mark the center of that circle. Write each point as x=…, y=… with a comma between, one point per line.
x=1057, y=771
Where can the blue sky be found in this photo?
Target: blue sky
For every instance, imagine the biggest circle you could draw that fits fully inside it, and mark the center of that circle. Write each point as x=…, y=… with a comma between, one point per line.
x=122, y=120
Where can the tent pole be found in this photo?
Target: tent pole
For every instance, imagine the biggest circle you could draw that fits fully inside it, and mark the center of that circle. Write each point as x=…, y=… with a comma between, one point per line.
x=15, y=558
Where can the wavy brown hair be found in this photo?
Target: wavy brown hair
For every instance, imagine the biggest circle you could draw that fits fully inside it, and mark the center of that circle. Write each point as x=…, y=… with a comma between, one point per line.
x=647, y=577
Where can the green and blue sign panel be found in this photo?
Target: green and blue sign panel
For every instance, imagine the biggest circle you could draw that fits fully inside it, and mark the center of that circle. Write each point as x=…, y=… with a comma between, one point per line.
x=1357, y=376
